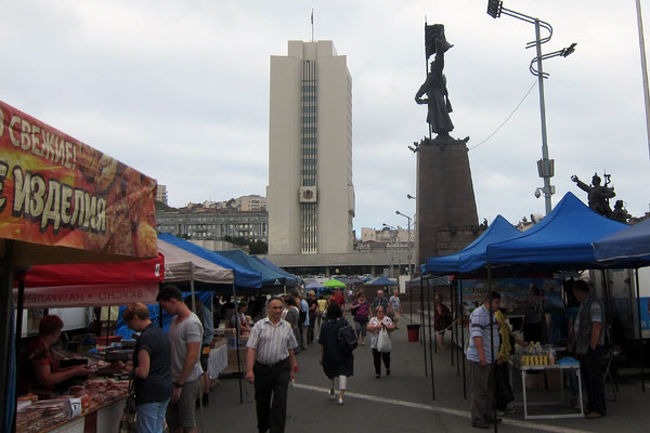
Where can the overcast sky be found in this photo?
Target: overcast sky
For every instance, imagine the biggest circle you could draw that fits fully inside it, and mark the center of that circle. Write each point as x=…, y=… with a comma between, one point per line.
x=180, y=91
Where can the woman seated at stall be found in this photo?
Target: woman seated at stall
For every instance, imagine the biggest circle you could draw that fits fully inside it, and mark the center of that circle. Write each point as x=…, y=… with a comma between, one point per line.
x=40, y=369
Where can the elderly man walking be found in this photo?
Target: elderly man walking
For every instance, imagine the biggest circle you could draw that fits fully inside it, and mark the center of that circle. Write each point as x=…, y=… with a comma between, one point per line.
x=270, y=363
x=483, y=344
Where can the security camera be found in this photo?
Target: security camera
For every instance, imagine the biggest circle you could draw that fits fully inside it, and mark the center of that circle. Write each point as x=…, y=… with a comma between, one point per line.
x=538, y=193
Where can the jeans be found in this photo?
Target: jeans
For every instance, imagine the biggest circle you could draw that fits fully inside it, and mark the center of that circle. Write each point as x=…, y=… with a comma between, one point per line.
x=150, y=417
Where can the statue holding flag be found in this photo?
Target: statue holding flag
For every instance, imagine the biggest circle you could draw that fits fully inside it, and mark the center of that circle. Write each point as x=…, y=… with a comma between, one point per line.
x=435, y=86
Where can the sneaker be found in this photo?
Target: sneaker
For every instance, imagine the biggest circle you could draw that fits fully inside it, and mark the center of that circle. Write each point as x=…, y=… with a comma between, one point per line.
x=594, y=415
x=332, y=394
x=340, y=402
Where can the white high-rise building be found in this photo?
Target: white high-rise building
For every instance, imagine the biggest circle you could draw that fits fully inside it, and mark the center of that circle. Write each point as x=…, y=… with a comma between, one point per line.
x=310, y=197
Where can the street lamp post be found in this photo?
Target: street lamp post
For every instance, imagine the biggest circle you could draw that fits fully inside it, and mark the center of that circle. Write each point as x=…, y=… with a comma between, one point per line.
x=391, y=228
x=409, y=244
x=545, y=166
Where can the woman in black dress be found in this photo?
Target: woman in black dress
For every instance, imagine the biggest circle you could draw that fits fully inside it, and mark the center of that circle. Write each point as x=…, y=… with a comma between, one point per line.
x=336, y=360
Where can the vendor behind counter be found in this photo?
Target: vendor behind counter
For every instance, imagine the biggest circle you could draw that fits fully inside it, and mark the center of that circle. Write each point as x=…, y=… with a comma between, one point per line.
x=41, y=371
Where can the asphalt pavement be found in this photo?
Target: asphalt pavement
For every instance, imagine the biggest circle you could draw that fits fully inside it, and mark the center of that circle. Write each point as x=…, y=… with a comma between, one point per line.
x=403, y=402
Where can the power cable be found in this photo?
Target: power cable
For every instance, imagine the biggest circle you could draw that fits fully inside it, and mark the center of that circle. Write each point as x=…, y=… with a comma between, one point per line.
x=507, y=118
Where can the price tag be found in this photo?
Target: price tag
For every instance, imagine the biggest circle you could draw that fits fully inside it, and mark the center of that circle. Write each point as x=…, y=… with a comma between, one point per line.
x=74, y=407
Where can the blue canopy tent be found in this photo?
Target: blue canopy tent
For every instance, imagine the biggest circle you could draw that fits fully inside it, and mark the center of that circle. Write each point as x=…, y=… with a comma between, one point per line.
x=562, y=240
x=290, y=279
x=270, y=277
x=244, y=276
x=628, y=248
x=465, y=260
x=381, y=281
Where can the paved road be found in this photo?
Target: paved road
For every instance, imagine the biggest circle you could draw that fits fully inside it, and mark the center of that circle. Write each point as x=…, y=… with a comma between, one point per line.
x=399, y=403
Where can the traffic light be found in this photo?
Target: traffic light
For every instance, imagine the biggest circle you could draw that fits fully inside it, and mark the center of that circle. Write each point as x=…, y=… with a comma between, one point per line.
x=494, y=8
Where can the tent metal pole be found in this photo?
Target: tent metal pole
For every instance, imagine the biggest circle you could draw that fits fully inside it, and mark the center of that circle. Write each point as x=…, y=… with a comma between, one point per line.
x=239, y=372
x=6, y=283
x=192, y=290
x=492, y=357
x=435, y=338
x=411, y=293
x=608, y=326
x=453, y=325
x=422, y=327
x=462, y=336
x=20, y=305
x=433, y=386
x=638, y=316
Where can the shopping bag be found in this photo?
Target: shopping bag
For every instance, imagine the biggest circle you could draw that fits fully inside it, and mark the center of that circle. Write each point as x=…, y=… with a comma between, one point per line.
x=127, y=423
x=383, y=342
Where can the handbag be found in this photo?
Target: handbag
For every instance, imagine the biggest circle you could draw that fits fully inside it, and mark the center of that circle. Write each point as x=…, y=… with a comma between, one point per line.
x=383, y=342
x=347, y=338
x=128, y=423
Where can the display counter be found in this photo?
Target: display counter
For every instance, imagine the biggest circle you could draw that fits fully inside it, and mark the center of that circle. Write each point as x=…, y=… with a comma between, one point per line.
x=572, y=368
x=217, y=360
x=102, y=419
x=96, y=406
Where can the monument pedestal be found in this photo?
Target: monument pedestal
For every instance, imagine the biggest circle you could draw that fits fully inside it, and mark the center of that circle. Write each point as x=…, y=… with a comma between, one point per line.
x=447, y=220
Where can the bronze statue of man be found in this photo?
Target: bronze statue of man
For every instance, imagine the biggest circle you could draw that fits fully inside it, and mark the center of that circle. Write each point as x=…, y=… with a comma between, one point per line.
x=435, y=87
x=597, y=195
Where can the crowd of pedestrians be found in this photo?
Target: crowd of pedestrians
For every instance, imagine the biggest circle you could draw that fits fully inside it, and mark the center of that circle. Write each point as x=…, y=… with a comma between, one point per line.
x=169, y=368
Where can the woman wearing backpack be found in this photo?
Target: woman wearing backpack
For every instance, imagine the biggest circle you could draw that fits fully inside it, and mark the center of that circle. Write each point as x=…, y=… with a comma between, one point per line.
x=336, y=356
x=361, y=307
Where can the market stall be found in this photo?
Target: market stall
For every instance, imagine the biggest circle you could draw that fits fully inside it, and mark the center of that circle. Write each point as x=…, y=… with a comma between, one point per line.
x=61, y=201
x=561, y=241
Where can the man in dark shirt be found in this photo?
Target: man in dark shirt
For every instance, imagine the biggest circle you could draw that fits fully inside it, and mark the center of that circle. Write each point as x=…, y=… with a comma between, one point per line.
x=151, y=367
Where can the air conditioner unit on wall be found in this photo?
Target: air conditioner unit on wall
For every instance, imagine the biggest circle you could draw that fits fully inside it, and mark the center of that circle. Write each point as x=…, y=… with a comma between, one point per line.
x=308, y=194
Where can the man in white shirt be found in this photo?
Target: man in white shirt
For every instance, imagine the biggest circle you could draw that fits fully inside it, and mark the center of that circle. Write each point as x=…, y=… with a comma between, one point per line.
x=270, y=363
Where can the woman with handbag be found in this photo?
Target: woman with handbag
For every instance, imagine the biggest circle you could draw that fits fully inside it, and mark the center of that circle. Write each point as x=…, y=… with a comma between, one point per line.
x=336, y=354
x=151, y=368
x=379, y=327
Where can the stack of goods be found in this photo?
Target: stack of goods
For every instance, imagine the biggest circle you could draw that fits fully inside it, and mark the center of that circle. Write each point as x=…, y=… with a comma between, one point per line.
x=95, y=392
x=534, y=355
x=41, y=414
x=34, y=415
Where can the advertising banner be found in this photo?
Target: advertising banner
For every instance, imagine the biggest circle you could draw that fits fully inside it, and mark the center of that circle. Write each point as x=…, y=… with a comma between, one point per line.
x=58, y=191
x=518, y=295
x=90, y=296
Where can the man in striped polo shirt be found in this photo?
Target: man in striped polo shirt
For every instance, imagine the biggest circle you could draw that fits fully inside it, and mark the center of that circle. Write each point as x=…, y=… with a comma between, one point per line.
x=270, y=363
x=483, y=343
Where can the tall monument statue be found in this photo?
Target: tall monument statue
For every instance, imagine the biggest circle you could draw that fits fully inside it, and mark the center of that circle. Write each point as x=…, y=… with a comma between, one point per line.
x=446, y=209
x=435, y=86
x=597, y=195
